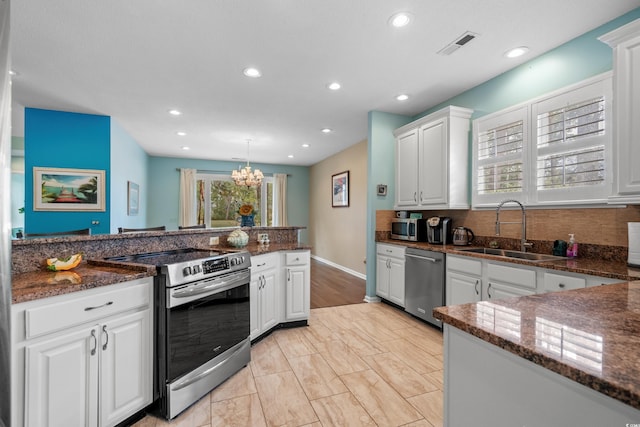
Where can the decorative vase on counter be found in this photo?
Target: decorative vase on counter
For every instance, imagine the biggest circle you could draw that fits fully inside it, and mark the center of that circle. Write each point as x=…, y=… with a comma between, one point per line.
x=238, y=239
x=247, y=221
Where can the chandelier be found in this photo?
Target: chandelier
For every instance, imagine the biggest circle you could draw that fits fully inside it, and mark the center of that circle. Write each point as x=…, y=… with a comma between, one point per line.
x=244, y=176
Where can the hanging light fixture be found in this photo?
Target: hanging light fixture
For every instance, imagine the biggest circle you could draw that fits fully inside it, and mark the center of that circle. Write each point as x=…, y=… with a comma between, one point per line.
x=244, y=176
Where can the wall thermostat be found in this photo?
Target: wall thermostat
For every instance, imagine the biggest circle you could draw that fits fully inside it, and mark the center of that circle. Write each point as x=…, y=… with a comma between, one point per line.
x=382, y=190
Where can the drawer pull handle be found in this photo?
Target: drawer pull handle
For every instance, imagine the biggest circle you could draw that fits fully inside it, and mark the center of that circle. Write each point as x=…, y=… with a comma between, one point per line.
x=95, y=342
x=261, y=265
x=98, y=306
x=106, y=334
x=477, y=283
x=489, y=290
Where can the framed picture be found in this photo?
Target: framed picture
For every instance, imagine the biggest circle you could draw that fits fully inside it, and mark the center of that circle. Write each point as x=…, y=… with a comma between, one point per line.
x=57, y=189
x=340, y=190
x=133, y=198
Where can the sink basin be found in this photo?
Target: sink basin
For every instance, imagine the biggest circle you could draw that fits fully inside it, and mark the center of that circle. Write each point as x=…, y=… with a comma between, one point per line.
x=529, y=256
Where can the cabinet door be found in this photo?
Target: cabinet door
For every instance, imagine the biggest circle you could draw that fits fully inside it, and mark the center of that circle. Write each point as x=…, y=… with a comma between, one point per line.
x=268, y=300
x=297, y=293
x=462, y=289
x=126, y=366
x=254, y=305
x=382, y=276
x=61, y=380
x=396, y=281
x=433, y=166
x=407, y=169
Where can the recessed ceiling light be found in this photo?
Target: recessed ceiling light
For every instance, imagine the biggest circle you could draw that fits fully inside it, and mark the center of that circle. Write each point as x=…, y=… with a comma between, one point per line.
x=515, y=52
x=334, y=86
x=402, y=97
x=400, y=19
x=305, y=145
x=326, y=130
x=174, y=112
x=290, y=156
x=252, y=72
x=180, y=133
x=185, y=147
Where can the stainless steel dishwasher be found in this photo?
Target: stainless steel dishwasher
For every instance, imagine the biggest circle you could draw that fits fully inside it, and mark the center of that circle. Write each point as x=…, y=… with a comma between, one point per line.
x=424, y=283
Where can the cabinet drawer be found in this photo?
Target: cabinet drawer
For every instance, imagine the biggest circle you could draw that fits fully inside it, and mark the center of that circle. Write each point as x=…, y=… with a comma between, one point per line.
x=390, y=250
x=518, y=276
x=65, y=314
x=557, y=282
x=296, y=258
x=465, y=265
x=264, y=262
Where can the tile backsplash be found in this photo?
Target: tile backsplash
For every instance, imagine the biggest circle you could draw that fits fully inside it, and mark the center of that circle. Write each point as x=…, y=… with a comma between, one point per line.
x=600, y=226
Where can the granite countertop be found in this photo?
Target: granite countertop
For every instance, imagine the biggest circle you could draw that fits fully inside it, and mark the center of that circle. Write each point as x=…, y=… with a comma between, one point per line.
x=89, y=274
x=591, y=335
x=590, y=266
x=93, y=273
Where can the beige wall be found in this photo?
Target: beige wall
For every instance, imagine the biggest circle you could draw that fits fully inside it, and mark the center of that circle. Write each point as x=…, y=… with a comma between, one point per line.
x=338, y=235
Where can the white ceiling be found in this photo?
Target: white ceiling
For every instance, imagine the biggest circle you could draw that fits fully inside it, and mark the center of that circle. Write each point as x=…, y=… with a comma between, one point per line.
x=135, y=60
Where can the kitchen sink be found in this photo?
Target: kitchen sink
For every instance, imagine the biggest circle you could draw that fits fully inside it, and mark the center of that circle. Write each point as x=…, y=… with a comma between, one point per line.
x=529, y=256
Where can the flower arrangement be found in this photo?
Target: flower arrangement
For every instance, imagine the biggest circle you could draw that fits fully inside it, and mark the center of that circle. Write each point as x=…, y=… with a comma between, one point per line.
x=246, y=210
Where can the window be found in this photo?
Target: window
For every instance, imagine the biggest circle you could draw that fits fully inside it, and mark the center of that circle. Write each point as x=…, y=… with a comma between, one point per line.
x=563, y=157
x=219, y=199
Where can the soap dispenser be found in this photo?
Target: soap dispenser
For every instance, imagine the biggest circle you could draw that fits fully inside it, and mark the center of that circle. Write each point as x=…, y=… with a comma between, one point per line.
x=572, y=247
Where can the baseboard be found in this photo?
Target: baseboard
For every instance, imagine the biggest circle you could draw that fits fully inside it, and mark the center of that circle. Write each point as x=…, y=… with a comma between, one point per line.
x=340, y=267
x=367, y=298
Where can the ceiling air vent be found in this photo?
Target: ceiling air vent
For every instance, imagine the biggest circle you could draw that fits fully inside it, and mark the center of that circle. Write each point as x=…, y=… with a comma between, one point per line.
x=458, y=43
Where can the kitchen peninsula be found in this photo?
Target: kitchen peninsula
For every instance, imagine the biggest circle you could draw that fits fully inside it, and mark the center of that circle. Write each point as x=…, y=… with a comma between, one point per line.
x=561, y=358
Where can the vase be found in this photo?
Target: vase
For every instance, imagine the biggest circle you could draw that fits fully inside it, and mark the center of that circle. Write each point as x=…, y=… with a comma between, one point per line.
x=246, y=221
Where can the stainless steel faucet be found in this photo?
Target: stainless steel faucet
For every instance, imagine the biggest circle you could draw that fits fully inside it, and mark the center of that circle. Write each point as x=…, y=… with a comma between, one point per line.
x=523, y=242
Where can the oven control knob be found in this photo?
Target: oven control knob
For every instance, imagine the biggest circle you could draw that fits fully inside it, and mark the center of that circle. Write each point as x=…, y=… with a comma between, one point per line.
x=186, y=271
x=195, y=269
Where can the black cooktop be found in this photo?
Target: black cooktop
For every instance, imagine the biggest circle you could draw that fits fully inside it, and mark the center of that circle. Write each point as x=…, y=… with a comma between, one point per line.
x=175, y=256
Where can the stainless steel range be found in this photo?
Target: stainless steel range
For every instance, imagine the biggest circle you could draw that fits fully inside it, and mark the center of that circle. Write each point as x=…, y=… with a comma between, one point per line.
x=202, y=322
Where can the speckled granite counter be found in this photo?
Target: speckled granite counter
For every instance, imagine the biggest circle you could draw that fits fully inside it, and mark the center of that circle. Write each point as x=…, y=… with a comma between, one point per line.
x=601, y=323
x=614, y=269
x=42, y=284
x=93, y=273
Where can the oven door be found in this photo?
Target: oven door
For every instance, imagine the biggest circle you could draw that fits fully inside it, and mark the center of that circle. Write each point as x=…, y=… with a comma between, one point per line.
x=204, y=319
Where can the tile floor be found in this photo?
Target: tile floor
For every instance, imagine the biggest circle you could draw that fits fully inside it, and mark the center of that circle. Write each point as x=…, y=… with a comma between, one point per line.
x=354, y=365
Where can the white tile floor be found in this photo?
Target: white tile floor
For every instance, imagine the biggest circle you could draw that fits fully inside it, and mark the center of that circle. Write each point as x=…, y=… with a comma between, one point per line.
x=361, y=364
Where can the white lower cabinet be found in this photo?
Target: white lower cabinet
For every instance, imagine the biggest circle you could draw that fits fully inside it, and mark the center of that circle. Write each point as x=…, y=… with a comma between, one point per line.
x=463, y=280
x=280, y=289
x=91, y=364
x=470, y=279
x=297, y=276
x=263, y=293
x=390, y=273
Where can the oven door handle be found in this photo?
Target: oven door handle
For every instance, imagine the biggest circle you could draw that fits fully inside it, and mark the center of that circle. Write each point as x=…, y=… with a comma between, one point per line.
x=217, y=285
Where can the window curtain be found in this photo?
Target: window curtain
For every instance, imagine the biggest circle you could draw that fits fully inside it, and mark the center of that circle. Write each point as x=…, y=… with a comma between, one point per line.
x=187, y=197
x=280, y=198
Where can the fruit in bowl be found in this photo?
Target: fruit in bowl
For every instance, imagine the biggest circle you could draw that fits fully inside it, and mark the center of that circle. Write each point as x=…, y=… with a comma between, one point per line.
x=65, y=263
x=238, y=238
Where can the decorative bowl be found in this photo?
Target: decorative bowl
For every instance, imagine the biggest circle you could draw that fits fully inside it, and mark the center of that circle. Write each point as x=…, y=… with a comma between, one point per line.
x=238, y=238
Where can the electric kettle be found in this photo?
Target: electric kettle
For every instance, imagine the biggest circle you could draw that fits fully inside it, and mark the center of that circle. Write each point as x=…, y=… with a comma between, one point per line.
x=462, y=236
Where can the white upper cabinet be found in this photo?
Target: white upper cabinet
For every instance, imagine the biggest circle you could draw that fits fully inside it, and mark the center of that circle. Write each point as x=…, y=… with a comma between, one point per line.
x=432, y=161
x=625, y=42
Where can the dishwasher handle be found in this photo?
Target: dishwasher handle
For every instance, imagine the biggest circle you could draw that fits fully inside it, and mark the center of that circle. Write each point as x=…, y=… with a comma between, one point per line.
x=422, y=257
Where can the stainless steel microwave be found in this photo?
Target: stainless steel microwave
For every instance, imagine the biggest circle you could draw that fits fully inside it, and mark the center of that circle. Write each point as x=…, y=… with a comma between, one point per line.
x=412, y=229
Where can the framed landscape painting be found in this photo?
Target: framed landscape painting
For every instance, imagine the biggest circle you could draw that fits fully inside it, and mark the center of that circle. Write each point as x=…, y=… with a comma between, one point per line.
x=56, y=189
x=133, y=198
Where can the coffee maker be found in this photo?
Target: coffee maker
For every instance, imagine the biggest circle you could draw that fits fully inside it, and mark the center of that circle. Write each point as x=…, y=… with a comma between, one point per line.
x=439, y=230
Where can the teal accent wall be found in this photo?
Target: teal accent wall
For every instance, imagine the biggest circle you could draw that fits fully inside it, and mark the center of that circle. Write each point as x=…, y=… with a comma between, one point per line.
x=164, y=189
x=129, y=162
x=381, y=170
x=65, y=140
x=580, y=58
